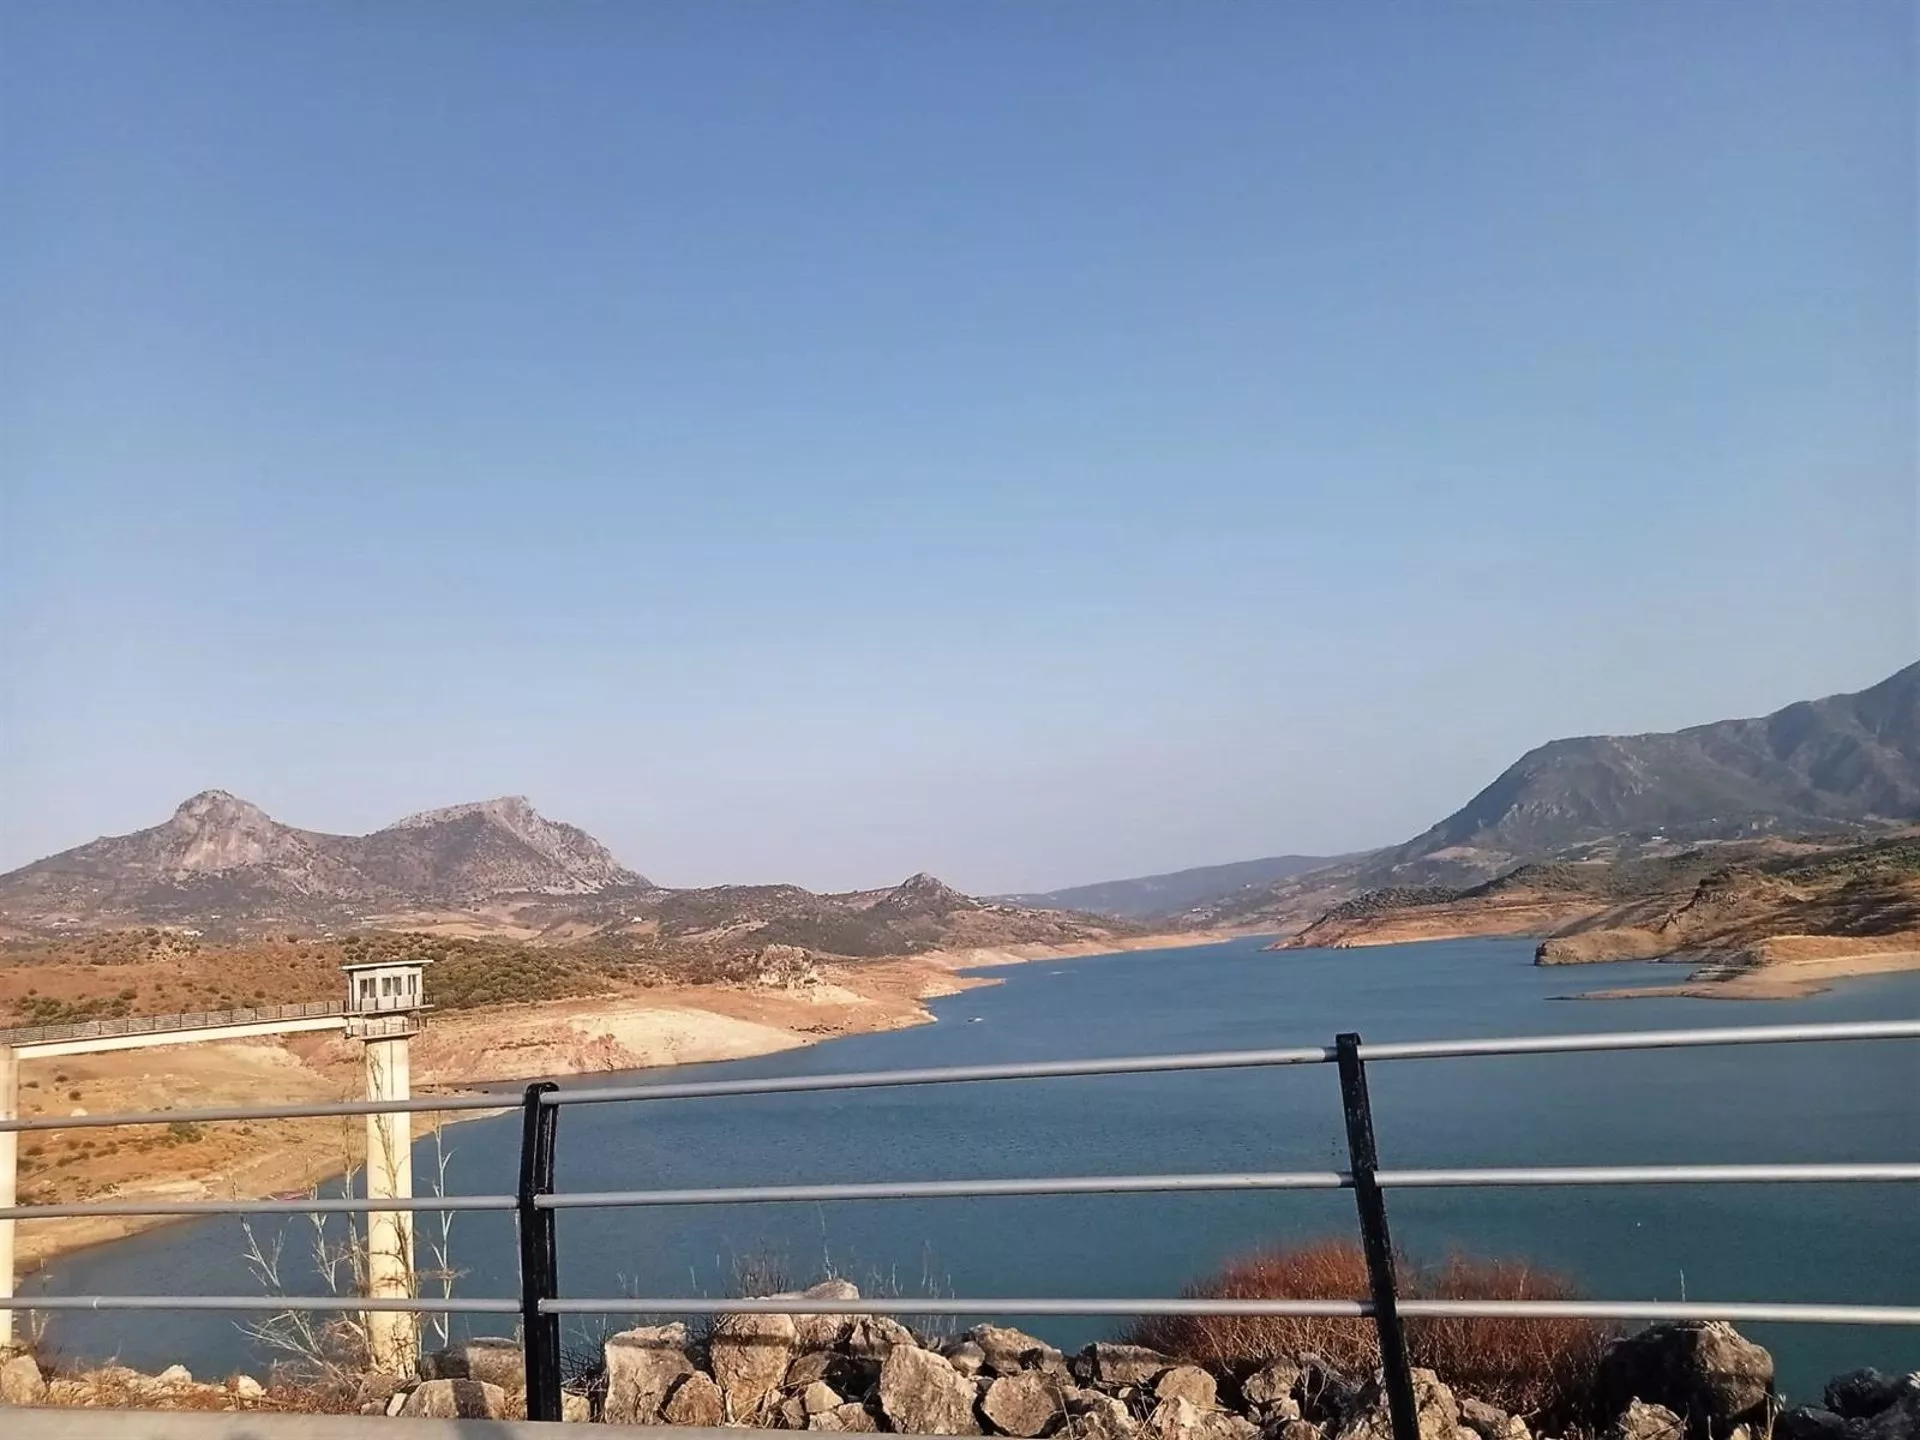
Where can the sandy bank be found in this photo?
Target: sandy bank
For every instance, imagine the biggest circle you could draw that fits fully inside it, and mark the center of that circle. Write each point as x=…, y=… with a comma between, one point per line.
x=988, y=957
x=1785, y=967
x=635, y=1030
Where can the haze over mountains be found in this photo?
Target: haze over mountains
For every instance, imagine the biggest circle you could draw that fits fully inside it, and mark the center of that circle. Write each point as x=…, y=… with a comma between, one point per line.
x=1847, y=763
x=219, y=857
x=1145, y=896
x=495, y=867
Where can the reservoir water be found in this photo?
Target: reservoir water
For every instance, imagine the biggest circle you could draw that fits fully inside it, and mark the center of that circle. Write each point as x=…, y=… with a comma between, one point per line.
x=1838, y=1243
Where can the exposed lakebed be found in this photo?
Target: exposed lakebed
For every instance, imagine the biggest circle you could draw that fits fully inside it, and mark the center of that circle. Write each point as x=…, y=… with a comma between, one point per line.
x=1855, y=1101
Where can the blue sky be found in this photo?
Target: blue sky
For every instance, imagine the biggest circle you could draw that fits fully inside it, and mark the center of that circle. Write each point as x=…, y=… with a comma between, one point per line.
x=1030, y=443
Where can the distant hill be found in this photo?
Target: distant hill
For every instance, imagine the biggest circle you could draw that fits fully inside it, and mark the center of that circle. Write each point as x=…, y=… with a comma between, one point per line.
x=1847, y=758
x=225, y=868
x=1150, y=896
x=221, y=861
x=1846, y=764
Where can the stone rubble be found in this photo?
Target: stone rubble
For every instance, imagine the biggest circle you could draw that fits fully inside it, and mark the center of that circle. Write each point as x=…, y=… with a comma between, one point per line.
x=864, y=1374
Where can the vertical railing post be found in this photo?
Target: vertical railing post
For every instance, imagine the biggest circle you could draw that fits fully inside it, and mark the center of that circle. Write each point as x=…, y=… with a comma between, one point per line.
x=1364, y=1160
x=539, y=1269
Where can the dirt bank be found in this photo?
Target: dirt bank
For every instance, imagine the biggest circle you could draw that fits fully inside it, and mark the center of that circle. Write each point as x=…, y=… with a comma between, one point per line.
x=633, y=1030
x=1785, y=967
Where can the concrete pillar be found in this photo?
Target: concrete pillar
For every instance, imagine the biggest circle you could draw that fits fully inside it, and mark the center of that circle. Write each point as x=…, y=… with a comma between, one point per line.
x=393, y=1336
x=9, y=1171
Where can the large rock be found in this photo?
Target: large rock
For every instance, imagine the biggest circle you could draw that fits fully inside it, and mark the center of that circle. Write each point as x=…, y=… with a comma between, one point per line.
x=1100, y=1417
x=1181, y=1419
x=457, y=1400
x=1490, y=1422
x=874, y=1336
x=695, y=1400
x=492, y=1358
x=21, y=1382
x=1369, y=1417
x=923, y=1395
x=965, y=1356
x=642, y=1366
x=1190, y=1383
x=847, y=1419
x=1808, y=1422
x=1899, y=1421
x=1273, y=1387
x=1707, y=1373
x=749, y=1355
x=1642, y=1421
x=1007, y=1351
x=1105, y=1363
x=1862, y=1394
x=823, y=1332
x=1325, y=1394
x=1026, y=1403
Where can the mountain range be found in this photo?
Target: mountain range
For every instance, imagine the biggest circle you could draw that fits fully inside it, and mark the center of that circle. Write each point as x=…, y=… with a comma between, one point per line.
x=1145, y=896
x=224, y=867
x=219, y=859
x=1847, y=766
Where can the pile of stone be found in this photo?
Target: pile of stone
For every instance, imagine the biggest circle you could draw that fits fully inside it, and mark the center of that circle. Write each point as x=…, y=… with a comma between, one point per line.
x=866, y=1374
x=22, y=1383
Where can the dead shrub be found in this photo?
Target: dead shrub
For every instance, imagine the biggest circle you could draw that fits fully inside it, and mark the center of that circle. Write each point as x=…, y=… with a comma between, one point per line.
x=1541, y=1369
x=1320, y=1270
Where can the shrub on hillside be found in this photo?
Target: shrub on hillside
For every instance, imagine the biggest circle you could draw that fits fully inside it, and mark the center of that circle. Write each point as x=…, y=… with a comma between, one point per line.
x=1542, y=1369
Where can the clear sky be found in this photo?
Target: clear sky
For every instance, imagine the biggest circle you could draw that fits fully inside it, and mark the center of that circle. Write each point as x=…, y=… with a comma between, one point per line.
x=1033, y=443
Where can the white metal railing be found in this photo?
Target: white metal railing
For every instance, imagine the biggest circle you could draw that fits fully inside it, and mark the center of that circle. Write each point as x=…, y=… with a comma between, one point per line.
x=536, y=1201
x=168, y=1024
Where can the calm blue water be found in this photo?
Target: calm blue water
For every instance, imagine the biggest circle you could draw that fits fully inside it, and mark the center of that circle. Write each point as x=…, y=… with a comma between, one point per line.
x=1856, y=1101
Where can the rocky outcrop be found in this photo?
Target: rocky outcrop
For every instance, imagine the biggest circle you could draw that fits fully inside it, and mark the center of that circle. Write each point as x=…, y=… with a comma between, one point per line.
x=1708, y=1374
x=641, y=1367
x=456, y=1400
x=491, y=1359
x=1368, y=1417
x=921, y=1394
x=21, y=1382
x=749, y=1355
x=1025, y=1404
x=872, y=1375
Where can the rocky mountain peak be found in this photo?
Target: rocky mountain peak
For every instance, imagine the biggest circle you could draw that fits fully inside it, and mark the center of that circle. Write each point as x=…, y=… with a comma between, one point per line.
x=927, y=895
x=216, y=831
x=215, y=808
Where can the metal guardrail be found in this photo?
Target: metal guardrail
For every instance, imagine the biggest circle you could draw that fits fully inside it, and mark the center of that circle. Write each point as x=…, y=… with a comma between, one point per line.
x=536, y=1202
x=167, y=1024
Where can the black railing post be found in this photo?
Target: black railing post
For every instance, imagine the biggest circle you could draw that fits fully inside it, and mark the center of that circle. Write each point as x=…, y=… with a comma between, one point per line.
x=1364, y=1160
x=539, y=1268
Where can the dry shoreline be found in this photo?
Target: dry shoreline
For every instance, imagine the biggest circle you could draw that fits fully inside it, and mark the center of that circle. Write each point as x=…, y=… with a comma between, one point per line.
x=457, y=1051
x=1787, y=967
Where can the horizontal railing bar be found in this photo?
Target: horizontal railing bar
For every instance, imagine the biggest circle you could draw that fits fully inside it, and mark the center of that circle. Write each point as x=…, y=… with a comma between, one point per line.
x=316, y=1205
x=946, y=1075
x=424, y=1104
x=950, y=1189
x=933, y=1305
x=272, y=1303
x=1641, y=1040
x=1649, y=1175
x=1491, y=1309
x=1250, y=1059
x=1761, y=1312
x=1038, y=1185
